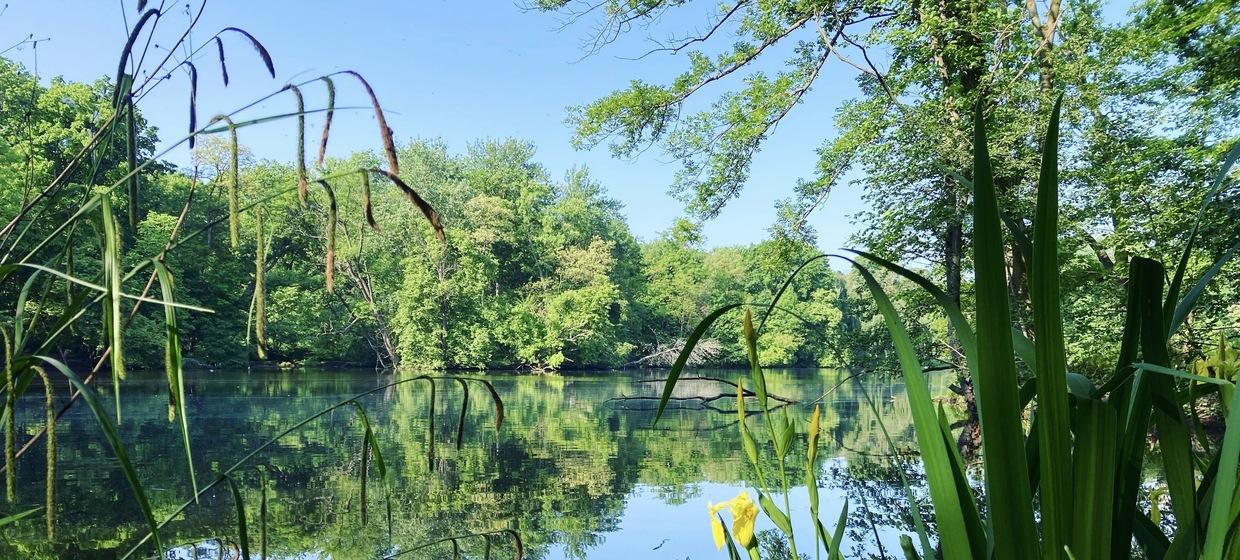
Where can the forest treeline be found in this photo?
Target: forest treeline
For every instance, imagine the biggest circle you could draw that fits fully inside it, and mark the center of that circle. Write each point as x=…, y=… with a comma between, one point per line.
x=535, y=272
x=542, y=272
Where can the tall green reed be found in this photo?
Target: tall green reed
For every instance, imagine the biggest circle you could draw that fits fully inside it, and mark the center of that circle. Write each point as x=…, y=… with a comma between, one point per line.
x=46, y=259
x=1082, y=462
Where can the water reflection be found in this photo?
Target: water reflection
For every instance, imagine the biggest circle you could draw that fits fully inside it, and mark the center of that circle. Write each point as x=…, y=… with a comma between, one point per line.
x=578, y=468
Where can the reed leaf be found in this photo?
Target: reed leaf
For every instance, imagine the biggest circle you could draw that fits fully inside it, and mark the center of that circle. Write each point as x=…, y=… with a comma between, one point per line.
x=363, y=471
x=1093, y=470
x=113, y=323
x=262, y=514
x=679, y=365
x=118, y=446
x=1011, y=512
x=919, y=524
x=837, y=538
x=260, y=283
x=780, y=292
x=327, y=118
x=1189, y=301
x=1054, y=439
x=1177, y=279
x=11, y=519
x=1133, y=401
x=243, y=536
x=262, y=51
x=953, y=533
x=1174, y=442
x=174, y=367
x=1223, y=513
x=385, y=132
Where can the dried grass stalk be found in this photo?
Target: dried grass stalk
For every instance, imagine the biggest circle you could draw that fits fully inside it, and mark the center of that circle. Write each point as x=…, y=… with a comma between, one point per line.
x=327, y=120
x=234, y=222
x=193, y=102
x=262, y=51
x=330, y=271
x=367, y=207
x=10, y=422
x=120, y=66
x=427, y=210
x=49, y=405
x=219, y=45
x=385, y=133
x=301, y=142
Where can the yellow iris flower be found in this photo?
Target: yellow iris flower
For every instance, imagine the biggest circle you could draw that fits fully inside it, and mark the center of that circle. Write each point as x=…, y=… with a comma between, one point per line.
x=744, y=514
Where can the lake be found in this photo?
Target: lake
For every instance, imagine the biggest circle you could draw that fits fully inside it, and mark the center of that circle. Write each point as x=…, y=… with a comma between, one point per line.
x=578, y=468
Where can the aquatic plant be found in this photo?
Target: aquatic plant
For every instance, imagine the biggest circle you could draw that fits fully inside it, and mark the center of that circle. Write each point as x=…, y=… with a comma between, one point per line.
x=1070, y=485
x=34, y=260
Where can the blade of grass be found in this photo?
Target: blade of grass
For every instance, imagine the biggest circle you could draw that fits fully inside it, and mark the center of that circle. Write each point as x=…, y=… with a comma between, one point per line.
x=1096, y=424
x=1054, y=441
x=1177, y=280
x=10, y=519
x=243, y=537
x=1222, y=514
x=112, y=300
x=690, y=343
x=174, y=367
x=1011, y=512
x=948, y=510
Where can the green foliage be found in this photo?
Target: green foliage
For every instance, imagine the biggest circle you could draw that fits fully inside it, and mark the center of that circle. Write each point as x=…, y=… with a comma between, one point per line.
x=1082, y=461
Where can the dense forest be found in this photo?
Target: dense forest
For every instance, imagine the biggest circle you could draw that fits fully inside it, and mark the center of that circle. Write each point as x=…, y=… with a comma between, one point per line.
x=541, y=272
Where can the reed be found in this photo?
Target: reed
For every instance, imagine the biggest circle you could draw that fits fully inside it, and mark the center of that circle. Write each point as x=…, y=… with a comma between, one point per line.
x=34, y=266
x=1082, y=462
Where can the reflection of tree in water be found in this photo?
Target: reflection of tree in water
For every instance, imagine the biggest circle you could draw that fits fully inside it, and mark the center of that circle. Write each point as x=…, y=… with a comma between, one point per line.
x=560, y=472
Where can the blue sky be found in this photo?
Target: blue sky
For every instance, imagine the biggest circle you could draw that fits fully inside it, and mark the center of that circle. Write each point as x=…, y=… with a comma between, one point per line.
x=455, y=70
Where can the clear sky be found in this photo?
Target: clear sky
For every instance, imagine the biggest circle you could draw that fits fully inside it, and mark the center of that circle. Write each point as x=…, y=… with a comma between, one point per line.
x=449, y=69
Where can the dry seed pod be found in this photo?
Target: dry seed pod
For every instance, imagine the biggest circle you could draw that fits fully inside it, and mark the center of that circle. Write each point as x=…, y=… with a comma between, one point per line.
x=49, y=402
x=427, y=210
x=262, y=51
x=330, y=272
x=120, y=67
x=193, y=102
x=327, y=119
x=301, y=142
x=234, y=222
x=385, y=133
x=219, y=44
x=367, y=207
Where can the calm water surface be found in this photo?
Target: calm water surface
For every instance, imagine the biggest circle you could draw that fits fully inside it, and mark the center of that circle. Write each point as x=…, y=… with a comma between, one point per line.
x=578, y=469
